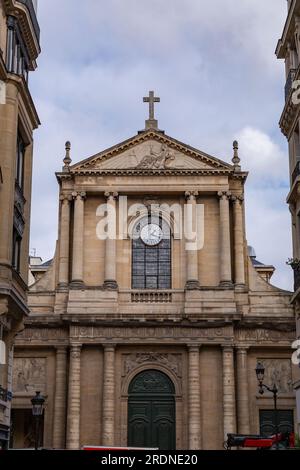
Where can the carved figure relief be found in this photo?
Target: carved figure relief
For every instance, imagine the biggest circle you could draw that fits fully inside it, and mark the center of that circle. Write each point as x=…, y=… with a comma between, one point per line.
x=172, y=361
x=279, y=372
x=155, y=160
x=29, y=374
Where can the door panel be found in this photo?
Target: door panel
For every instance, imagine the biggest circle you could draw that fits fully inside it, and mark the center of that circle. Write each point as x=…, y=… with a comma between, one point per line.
x=151, y=423
x=163, y=424
x=139, y=423
x=151, y=411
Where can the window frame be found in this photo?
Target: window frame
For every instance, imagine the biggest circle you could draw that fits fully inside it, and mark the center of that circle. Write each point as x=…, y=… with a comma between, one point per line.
x=20, y=161
x=16, y=250
x=145, y=279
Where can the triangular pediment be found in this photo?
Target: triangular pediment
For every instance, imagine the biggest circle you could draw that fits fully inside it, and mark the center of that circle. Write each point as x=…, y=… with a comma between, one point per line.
x=151, y=151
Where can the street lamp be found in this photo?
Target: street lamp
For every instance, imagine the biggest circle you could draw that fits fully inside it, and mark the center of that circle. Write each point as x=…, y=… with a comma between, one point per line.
x=37, y=411
x=260, y=374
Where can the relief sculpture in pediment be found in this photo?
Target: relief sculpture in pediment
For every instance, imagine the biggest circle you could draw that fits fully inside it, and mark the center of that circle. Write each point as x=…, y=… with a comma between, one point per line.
x=157, y=160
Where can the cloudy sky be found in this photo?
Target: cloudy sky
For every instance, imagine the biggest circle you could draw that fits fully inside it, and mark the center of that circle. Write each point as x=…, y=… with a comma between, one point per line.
x=212, y=64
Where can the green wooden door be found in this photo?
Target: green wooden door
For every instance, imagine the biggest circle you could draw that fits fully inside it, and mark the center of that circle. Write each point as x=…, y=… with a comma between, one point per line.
x=151, y=411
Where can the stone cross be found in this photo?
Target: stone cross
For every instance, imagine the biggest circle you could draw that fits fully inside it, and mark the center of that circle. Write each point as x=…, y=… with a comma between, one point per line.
x=151, y=123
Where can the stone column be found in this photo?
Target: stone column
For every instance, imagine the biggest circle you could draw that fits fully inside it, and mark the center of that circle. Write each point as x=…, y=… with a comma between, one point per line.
x=59, y=416
x=78, y=240
x=194, y=398
x=225, y=247
x=239, y=258
x=108, y=413
x=190, y=228
x=110, y=277
x=73, y=418
x=63, y=276
x=242, y=391
x=229, y=409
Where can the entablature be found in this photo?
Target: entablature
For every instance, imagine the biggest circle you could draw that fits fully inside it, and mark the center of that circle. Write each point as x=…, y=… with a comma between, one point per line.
x=24, y=11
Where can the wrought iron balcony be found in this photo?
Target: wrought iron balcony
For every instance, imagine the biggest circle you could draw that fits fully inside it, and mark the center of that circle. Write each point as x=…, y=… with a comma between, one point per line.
x=289, y=82
x=296, y=172
x=30, y=7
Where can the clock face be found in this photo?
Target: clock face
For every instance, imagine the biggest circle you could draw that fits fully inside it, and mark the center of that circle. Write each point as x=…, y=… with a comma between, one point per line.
x=151, y=234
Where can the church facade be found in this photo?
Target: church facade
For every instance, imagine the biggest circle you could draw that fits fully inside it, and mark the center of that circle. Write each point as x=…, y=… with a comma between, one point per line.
x=147, y=326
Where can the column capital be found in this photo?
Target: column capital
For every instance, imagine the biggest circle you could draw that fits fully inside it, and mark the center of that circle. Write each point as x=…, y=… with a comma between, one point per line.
x=227, y=347
x=79, y=195
x=224, y=195
x=191, y=195
x=75, y=350
x=193, y=347
x=109, y=347
x=111, y=196
x=61, y=349
x=238, y=198
x=65, y=197
x=241, y=349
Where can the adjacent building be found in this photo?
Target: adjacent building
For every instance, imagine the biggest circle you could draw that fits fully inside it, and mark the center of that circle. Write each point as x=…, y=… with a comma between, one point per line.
x=288, y=48
x=143, y=331
x=19, y=49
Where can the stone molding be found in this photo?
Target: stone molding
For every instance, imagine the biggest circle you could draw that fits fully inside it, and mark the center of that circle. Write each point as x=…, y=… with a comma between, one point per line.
x=240, y=338
x=132, y=361
x=217, y=167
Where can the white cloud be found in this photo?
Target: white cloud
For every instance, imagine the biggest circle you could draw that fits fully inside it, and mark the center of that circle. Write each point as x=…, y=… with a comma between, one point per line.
x=268, y=231
x=263, y=158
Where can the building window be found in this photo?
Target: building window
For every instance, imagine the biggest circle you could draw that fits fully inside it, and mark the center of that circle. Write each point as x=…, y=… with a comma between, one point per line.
x=16, y=254
x=20, y=157
x=151, y=264
x=267, y=421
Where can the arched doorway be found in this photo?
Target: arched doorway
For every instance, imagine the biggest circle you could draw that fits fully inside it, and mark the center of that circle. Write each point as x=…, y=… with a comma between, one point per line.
x=151, y=411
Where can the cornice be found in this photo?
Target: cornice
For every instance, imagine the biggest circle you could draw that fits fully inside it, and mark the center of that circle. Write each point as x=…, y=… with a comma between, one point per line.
x=143, y=137
x=288, y=30
x=31, y=36
x=290, y=111
x=151, y=172
x=60, y=175
x=288, y=117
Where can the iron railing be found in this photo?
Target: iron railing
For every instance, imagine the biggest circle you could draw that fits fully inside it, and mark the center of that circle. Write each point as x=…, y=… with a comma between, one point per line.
x=32, y=13
x=289, y=83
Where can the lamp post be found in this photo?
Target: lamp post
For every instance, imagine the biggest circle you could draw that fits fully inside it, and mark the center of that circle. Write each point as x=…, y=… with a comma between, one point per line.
x=37, y=411
x=260, y=374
